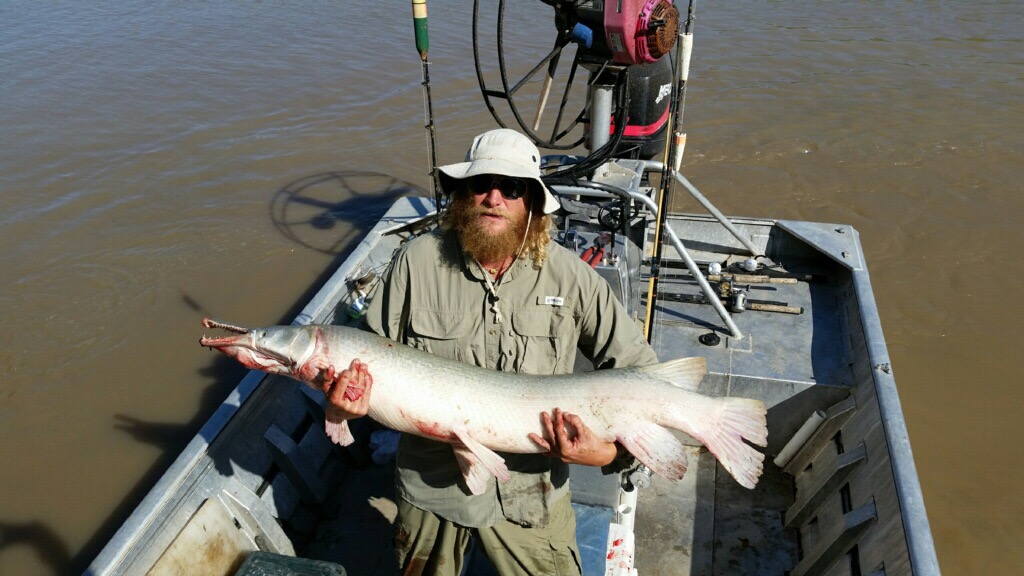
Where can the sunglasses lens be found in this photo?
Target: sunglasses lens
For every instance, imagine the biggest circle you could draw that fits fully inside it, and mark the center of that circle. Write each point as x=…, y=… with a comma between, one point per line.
x=480, y=184
x=510, y=188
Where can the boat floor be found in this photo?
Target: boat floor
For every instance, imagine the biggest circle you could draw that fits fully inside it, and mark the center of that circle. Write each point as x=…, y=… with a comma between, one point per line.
x=706, y=523
x=703, y=524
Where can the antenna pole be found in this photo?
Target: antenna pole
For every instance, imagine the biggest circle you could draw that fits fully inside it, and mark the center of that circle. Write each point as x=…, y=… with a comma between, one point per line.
x=419, y=18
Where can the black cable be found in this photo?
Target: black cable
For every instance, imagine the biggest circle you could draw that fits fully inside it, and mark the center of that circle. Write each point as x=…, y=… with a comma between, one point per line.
x=598, y=157
x=629, y=210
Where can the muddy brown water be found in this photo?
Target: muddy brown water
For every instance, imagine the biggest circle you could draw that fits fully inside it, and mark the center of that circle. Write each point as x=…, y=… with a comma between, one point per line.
x=162, y=162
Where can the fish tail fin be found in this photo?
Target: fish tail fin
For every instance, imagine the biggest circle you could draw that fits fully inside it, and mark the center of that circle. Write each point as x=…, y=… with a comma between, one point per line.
x=722, y=425
x=732, y=421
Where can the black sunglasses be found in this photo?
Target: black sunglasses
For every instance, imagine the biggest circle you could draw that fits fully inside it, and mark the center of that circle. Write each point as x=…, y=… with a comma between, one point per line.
x=510, y=188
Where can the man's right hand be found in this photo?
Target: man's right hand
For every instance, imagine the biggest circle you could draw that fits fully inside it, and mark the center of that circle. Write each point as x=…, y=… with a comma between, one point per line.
x=569, y=439
x=348, y=392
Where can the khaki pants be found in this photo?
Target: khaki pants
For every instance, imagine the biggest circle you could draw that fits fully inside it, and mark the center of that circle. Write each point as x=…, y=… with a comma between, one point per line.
x=429, y=545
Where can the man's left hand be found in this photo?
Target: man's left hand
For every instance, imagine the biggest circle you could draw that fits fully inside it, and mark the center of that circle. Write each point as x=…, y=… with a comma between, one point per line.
x=569, y=439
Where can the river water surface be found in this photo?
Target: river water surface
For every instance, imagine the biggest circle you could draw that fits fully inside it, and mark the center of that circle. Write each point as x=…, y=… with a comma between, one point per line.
x=164, y=161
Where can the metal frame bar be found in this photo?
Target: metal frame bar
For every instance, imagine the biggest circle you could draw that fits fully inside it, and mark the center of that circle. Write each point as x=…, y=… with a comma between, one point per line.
x=712, y=297
x=655, y=166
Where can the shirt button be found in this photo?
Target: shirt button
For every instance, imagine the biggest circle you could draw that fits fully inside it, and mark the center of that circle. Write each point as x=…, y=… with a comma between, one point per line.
x=509, y=332
x=492, y=332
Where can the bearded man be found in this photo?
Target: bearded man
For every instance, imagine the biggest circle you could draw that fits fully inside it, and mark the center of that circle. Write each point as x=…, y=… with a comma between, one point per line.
x=490, y=289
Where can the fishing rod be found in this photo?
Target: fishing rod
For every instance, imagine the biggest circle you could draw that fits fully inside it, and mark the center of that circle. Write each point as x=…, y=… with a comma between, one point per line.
x=678, y=105
x=673, y=151
x=419, y=19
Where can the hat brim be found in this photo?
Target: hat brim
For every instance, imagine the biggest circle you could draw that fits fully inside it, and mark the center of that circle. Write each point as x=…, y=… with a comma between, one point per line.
x=454, y=172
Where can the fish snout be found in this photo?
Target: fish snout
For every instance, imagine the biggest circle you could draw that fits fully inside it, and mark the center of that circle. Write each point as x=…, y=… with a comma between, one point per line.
x=257, y=348
x=242, y=335
x=223, y=341
x=211, y=323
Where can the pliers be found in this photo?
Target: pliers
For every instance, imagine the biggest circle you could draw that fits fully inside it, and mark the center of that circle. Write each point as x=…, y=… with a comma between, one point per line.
x=595, y=254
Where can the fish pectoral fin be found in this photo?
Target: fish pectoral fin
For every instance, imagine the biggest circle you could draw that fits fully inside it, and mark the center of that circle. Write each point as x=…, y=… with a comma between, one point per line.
x=337, y=428
x=473, y=472
x=477, y=462
x=656, y=447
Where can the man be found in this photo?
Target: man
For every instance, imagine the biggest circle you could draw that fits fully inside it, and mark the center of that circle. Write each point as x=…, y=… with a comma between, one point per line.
x=489, y=289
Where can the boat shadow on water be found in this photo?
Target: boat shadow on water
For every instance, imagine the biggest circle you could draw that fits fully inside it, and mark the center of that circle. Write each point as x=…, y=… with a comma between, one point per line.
x=328, y=212
x=44, y=542
x=331, y=211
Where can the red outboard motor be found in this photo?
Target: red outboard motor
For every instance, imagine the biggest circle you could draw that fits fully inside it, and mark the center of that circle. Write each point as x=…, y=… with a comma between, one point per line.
x=637, y=33
x=650, y=93
x=630, y=31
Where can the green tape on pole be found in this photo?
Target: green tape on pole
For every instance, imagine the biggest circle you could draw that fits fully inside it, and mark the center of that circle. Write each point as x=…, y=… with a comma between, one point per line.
x=422, y=39
x=419, y=18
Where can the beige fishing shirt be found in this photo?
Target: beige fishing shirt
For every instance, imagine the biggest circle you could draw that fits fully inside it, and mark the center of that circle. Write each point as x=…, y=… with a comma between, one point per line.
x=435, y=299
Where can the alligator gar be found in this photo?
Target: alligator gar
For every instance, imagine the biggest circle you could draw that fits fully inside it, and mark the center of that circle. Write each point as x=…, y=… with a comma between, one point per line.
x=480, y=411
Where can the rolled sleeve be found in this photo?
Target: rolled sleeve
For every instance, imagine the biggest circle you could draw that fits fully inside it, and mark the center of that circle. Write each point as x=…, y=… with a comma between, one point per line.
x=608, y=336
x=386, y=314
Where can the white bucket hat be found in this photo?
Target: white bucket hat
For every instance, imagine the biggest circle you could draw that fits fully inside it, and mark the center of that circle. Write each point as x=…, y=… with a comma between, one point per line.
x=503, y=152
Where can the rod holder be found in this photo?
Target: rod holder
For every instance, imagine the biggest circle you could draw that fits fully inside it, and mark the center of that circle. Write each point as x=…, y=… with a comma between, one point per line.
x=800, y=438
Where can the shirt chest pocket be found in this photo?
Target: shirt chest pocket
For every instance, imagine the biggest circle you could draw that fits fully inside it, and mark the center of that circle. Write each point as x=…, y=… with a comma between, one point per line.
x=445, y=334
x=545, y=340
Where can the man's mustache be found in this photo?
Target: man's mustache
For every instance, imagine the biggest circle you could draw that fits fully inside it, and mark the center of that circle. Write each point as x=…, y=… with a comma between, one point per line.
x=478, y=211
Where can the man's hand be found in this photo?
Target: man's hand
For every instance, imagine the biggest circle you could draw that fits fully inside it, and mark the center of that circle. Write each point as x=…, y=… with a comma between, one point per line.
x=348, y=392
x=570, y=440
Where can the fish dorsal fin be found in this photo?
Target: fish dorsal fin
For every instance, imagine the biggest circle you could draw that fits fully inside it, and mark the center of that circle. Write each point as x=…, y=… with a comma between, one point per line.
x=685, y=373
x=477, y=462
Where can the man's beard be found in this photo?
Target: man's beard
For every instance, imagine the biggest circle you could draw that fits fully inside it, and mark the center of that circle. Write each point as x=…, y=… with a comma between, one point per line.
x=479, y=242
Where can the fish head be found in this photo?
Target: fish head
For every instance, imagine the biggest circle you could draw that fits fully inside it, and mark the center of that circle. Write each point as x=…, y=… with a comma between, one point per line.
x=284, y=350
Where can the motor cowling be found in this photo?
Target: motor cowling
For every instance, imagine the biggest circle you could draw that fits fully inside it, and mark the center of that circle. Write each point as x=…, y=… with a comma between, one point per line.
x=634, y=31
x=650, y=93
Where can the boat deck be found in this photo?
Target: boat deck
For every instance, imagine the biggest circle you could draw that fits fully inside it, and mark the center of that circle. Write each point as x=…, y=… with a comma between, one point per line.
x=705, y=523
x=262, y=475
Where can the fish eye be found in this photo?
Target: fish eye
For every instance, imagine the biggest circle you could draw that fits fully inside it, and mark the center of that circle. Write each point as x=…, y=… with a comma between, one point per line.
x=263, y=334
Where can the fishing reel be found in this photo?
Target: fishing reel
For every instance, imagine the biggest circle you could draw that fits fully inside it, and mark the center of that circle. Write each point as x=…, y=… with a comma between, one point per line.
x=622, y=107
